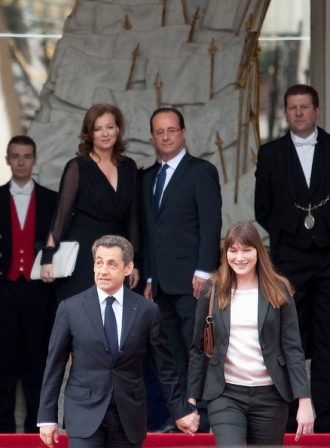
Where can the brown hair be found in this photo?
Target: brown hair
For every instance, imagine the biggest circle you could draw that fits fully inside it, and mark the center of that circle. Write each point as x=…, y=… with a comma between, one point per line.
x=87, y=131
x=166, y=110
x=302, y=89
x=22, y=140
x=273, y=286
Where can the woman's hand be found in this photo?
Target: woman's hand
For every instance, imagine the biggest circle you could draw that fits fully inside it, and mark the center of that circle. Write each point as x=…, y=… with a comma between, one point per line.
x=46, y=273
x=134, y=278
x=305, y=418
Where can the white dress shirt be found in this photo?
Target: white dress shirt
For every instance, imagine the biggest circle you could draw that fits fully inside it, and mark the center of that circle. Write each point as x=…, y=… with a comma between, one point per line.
x=305, y=148
x=22, y=198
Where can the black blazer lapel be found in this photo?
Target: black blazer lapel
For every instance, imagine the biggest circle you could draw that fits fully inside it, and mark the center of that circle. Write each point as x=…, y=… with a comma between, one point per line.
x=288, y=160
x=150, y=180
x=226, y=317
x=321, y=164
x=6, y=221
x=263, y=305
x=130, y=310
x=93, y=311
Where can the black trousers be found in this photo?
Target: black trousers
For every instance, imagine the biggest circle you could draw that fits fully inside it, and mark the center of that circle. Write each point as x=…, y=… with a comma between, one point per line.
x=309, y=273
x=252, y=415
x=110, y=434
x=27, y=310
x=178, y=313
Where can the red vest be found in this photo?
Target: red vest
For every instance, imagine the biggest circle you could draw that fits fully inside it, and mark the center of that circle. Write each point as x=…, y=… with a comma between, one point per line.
x=22, y=241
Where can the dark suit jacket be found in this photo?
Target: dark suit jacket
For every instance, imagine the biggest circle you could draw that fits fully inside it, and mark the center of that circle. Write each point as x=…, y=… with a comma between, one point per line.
x=78, y=330
x=185, y=235
x=276, y=189
x=279, y=341
x=45, y=205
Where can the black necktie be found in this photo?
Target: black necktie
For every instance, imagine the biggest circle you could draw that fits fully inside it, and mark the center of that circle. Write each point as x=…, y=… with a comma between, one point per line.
x=160, y=186
x=110, y=328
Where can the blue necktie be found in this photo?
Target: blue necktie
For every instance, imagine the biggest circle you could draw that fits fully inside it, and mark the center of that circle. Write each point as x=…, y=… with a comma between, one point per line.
x=110, y=328
x=160, y=186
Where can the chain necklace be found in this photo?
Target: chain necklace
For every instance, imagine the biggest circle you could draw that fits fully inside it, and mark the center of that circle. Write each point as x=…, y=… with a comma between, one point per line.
x=309, y=221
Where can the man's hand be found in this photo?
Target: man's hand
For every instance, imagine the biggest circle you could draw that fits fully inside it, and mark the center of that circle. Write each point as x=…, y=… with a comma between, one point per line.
x=189, y=423
x=148, y=292
x=134, y=278
x=46, y=273
x=197, y=283
x=305, y=418
x=47, y=433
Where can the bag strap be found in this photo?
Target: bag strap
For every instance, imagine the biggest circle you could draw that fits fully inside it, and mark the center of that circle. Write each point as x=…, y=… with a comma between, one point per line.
x=211, y=303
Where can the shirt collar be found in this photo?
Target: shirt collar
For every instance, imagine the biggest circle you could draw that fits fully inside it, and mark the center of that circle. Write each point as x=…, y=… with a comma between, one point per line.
x=310, y=140
x=173, y=163
x=27, y=189
x=119, y=295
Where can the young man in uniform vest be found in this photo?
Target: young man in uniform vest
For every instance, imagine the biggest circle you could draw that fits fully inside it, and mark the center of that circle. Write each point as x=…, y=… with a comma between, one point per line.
x=27, y=307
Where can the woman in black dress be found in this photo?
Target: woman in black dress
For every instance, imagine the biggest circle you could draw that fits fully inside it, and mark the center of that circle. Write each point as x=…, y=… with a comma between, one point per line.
x=97, y=196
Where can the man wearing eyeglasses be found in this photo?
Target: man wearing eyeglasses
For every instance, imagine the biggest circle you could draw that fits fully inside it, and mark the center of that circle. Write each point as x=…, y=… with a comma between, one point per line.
x=182, y=203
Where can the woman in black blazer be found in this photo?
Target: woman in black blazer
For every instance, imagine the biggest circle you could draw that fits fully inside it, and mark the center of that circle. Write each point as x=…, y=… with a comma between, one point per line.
x=258, y=365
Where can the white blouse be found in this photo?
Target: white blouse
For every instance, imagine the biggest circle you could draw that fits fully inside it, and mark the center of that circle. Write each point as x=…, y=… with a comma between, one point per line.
x=244, y=364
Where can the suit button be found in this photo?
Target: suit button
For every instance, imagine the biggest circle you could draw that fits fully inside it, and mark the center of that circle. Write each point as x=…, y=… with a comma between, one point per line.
x=21, y=269
x=0, y=254
x=0, y=236
x=21, y=251
x=109, y=392
x=113, y=371
x=1, y=273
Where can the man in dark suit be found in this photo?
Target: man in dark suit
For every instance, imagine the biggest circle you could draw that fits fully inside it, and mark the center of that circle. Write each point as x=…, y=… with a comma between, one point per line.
x=182, y=204
x=26, y=307
x=108, y=329
x=292, y=202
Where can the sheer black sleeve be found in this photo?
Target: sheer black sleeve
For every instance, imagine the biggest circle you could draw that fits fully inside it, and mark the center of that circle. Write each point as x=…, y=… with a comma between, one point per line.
x=133, y=218
x=64, y=209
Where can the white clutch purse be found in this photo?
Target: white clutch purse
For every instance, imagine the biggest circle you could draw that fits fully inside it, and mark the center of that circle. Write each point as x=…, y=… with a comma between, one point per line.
x=64, y=261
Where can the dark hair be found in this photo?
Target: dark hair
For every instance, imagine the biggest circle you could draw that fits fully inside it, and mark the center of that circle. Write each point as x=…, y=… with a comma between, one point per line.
x=168, y=109
x=115, y=241
x=87, y=131
x=22, y=140
x=302, y=89
x=273, y=286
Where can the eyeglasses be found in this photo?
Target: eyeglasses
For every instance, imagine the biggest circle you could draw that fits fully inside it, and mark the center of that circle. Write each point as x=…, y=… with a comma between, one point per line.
x=170, y=132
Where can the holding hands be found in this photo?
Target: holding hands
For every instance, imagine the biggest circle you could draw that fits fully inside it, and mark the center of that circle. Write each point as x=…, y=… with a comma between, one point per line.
x=189, y=423
x=48, y=434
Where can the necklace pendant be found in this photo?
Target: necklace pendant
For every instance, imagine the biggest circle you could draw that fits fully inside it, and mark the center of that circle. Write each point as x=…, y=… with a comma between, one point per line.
x=309, y=221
